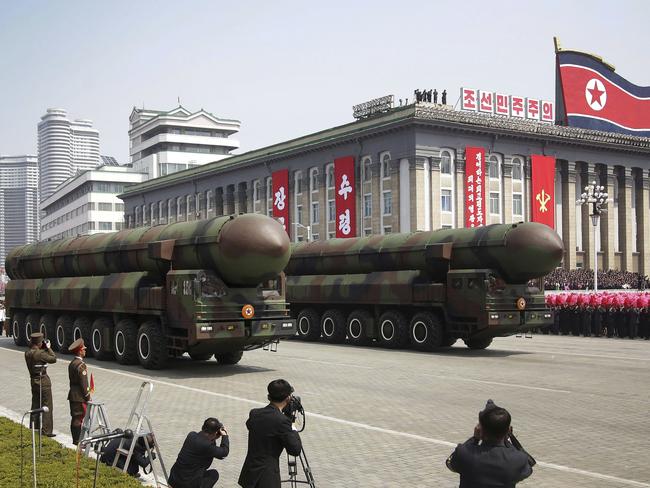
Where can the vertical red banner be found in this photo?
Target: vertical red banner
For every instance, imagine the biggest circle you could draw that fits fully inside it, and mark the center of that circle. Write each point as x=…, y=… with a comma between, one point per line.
x=474, y=186
x=543, y=190
x=345, y=197
x=280, y=185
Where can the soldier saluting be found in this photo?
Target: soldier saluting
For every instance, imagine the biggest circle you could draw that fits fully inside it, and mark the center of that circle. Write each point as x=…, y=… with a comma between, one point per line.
x=79, y=394
x=38, y=356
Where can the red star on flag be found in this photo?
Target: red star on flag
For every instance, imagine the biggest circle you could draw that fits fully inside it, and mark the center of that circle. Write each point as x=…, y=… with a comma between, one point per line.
x=595, y=94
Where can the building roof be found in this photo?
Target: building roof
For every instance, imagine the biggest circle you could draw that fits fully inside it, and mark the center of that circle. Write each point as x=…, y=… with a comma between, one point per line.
x=431, y=115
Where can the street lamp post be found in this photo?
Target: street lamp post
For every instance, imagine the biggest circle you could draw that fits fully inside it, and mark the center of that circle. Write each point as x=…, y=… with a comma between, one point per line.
x=307, y=227
x=595, y=196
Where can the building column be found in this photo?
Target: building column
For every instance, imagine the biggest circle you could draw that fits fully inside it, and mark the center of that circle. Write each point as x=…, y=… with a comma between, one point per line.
x=607, y=228
x=395, y=218
x=418, y=200
x=527, y=196
x=435, y=191
x=507, y=191
x=376, y=196
x=568, y=213
x=643, y=219
x=459, y=189
x=588, y=173
x=625, y=221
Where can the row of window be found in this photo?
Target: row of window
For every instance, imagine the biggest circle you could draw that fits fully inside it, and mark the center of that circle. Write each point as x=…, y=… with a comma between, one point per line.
x=185, y=148
x=88, y=226
x=186, y=131
x=86, y=207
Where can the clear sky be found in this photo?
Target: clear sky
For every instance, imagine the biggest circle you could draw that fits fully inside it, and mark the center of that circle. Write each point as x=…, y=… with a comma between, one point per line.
x=286, y=68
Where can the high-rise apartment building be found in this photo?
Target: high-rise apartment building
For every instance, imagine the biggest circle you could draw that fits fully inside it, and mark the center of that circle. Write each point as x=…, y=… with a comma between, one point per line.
x=65, y=147
x=18, y=202
x=162, y=143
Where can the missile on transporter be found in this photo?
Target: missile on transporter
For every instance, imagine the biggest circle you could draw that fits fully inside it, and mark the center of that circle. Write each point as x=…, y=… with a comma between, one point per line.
x=518, y=252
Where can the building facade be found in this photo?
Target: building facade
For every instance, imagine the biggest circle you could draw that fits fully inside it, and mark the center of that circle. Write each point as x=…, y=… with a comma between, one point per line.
x=163, y=143
x=18, y=202
x=65, y=147
x=410, y=175
x=87, y=203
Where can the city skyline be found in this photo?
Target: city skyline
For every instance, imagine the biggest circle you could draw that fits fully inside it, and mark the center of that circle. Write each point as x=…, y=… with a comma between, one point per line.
x=285, y=72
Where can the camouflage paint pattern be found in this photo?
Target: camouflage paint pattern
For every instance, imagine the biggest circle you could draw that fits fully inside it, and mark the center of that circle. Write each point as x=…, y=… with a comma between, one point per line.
x=517, y=252
x=245, y=250
x=472, y=278
x=193, y=278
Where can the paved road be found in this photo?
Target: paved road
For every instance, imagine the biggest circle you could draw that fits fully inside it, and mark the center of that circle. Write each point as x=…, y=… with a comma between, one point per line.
x=379, y=418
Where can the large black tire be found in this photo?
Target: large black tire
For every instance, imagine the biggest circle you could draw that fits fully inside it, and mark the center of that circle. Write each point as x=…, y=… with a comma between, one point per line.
x=152, y=345
x=359, y=323
x=101, y=338
x=393, y=330
x=125, y=342
x=63, y=333
x=200, y=357
x=18, y=328
x=32, y=323
x=426, y=331
x=478, y=343
x=47, y=326
x=308, y=325
x=81, y=329
x=333, y=326
x=229, y=357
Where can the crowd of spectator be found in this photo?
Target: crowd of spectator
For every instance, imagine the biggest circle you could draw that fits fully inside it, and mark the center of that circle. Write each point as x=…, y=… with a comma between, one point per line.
x=583, y=279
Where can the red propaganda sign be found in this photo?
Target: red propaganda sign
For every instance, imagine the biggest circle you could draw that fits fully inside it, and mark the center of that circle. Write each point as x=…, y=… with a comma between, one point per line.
x=517, y=107
x=474, y=186
x=532, y=109
x=543, y=190
x=502, y=106
x=280, y=181
x=486, y=102
x=345, y=197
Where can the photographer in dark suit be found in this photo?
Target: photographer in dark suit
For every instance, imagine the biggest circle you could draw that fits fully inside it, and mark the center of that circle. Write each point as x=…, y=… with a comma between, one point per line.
x=139, y=459
x=488, y=458
x=199, y=449
x=269, y=433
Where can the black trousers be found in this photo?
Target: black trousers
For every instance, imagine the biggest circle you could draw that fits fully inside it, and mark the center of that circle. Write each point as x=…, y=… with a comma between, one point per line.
x=210, y=478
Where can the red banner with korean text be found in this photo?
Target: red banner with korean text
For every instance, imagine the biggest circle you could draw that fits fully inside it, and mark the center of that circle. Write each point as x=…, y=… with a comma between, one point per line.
x=474, y=186
x=280, y=185
x=543, y=190
x=345, y=198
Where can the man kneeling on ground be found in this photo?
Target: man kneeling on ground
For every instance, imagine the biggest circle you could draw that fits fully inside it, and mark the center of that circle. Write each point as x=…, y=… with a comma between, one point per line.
x=199, y=449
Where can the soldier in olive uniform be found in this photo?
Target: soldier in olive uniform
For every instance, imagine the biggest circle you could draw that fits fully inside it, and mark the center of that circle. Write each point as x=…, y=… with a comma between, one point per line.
x=79, y=394
x=38, y=356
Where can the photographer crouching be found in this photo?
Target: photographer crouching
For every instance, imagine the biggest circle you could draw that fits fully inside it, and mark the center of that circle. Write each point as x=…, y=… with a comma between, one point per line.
x=199, y=449
x=492, y=457
x=270, y=431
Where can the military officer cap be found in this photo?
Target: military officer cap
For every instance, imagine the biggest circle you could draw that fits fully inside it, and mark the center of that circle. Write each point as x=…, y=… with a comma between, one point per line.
x=36, y=337
x=76, y=345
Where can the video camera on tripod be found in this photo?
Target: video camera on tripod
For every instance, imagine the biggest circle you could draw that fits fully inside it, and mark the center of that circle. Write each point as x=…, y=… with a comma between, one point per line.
x=295, y=411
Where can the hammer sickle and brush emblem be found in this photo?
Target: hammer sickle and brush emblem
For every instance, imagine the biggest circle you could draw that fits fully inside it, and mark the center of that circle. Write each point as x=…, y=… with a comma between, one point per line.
x=543, y=199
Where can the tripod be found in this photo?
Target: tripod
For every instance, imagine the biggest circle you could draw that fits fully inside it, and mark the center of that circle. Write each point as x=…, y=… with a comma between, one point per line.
x=292, y=465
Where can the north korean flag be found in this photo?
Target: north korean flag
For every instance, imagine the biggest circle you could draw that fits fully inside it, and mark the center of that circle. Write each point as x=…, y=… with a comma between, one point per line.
x=593, y=96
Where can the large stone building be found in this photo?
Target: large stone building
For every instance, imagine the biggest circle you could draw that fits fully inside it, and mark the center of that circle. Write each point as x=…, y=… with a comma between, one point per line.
x=64, y=147
x=163, y=143
x=18, y=202
x=410, y=166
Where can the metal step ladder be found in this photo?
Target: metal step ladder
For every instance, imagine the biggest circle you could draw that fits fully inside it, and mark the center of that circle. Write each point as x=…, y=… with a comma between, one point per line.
x=141, y=427
x=95, y=423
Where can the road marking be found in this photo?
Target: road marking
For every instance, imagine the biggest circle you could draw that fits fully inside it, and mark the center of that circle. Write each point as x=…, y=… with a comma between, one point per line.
x=598, y=356
x=407, y=435
x=512, y=385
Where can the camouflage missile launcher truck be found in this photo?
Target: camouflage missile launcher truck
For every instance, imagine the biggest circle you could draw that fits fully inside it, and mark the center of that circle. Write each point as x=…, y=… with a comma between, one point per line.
x=424, y=290
x=203, y=287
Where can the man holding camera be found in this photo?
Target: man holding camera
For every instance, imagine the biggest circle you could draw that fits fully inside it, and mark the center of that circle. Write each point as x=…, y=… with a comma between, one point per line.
x=199, y=449
x=270, y=431
x=489, y=458
x=38, y=356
